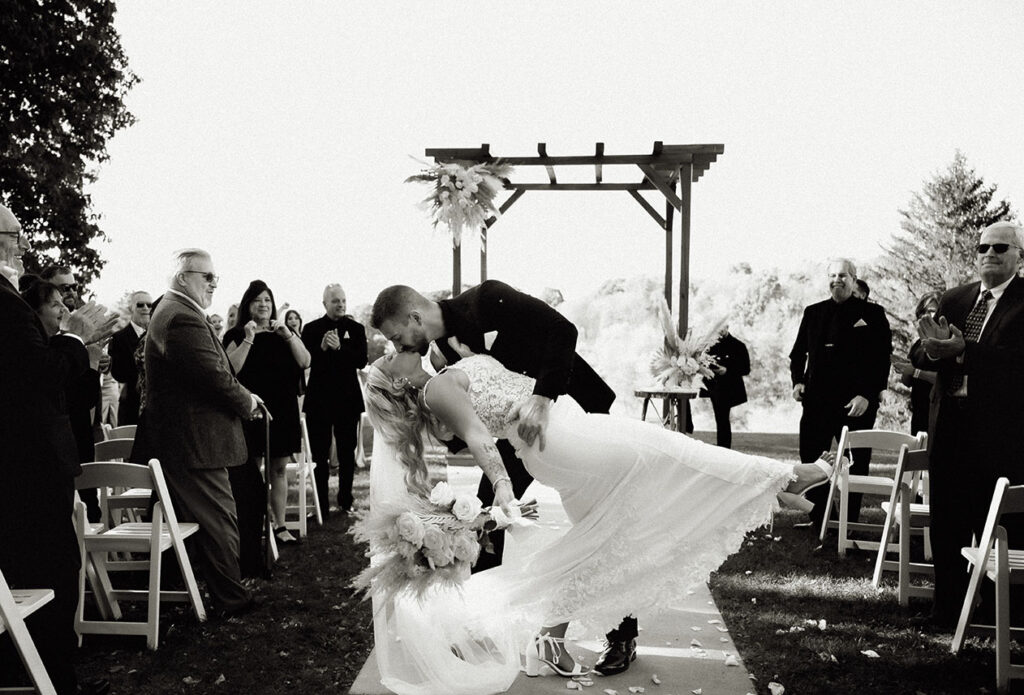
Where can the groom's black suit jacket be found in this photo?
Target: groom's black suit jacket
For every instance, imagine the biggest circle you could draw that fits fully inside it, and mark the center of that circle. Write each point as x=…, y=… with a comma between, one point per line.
x=532, y=339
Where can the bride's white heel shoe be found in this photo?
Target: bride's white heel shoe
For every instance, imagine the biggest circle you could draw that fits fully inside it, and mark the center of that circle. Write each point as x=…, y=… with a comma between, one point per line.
x=535, y=656
x=797, y=499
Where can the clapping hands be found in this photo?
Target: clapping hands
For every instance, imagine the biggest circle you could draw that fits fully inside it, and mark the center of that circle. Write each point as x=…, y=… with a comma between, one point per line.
x=281, y=329
x=940, y=339
x=330, y=340
x=91, y=323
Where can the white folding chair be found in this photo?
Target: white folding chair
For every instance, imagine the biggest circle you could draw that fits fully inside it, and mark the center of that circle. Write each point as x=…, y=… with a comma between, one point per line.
x=116, y=503
x=843, y=483
x=154, y=537
x=121, y=432
x=15, y=606
x=303, y=467
x=912, y=518
x=994, y=559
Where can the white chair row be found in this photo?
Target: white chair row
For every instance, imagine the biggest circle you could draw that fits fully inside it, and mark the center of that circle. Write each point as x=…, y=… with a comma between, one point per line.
x=15, y=606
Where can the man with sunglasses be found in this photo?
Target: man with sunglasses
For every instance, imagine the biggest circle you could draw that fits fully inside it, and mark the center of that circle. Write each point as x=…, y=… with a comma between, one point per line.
x=975, y=343
x=122, y=356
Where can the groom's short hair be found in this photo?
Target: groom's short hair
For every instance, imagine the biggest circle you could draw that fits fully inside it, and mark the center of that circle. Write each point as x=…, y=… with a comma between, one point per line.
x=394, y=303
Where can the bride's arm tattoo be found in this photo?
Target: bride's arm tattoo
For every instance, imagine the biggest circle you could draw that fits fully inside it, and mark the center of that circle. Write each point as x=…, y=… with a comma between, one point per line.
x=491, y=463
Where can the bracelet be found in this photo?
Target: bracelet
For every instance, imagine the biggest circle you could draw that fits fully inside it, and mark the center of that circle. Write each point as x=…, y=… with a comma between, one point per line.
x=502, y=478
x=247, y=341
x=917, y=373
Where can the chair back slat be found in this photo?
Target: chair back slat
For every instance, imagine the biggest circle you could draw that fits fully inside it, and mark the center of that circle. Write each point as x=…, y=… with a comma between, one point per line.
x=1013, y=503
x=114, y=449
x=162, y=493
x=122, y=432
x=104, y=474
x=878, y=439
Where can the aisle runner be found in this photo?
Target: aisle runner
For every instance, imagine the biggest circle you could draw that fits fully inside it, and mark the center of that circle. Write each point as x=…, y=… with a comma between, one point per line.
x=686, y=648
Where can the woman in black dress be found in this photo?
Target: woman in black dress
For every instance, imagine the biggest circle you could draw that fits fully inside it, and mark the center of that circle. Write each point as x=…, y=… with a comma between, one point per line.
x=268, y=359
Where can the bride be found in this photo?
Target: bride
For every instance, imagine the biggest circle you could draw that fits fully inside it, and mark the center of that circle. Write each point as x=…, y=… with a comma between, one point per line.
x=653, y=513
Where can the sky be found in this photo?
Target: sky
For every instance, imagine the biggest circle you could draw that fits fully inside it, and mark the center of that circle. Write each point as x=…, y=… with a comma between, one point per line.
x=277, y=135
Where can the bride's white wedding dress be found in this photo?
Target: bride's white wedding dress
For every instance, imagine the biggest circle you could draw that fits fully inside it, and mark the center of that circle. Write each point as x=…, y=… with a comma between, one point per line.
x=653, y=512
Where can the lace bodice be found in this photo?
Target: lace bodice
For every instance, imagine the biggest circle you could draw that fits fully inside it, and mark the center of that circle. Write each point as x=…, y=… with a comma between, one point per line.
x=493, y=390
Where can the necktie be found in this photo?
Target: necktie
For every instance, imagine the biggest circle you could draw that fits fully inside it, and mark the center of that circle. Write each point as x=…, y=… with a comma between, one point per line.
x=972, y=331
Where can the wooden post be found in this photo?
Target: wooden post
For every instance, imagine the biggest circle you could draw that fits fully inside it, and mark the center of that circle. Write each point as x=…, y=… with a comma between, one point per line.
x=685, y=178
x=483, y=253
x=456, y=269
x=669, y=212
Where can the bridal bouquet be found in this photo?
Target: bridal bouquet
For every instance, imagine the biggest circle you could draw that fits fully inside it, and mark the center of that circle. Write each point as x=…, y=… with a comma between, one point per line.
x=683, y=362
x=463, y=196
x=433, y=543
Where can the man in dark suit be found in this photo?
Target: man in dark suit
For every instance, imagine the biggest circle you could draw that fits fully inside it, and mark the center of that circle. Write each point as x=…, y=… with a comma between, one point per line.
x=38, y=461
x=194, y=412
x=334, y=400
x=839, y=365
x=726, y=389
x=975, y=343
x=122, y=357
x=531, y=338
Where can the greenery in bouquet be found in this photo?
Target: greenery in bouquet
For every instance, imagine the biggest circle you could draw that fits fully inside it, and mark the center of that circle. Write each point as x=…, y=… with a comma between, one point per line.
x=680, y=362
x=433, y=543
x=463, y=194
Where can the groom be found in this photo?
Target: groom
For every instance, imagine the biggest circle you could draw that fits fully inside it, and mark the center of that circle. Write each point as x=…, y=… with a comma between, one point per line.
x=533, y=339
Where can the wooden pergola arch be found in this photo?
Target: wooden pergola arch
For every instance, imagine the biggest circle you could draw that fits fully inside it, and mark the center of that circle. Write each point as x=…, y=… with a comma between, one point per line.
x=665, y=169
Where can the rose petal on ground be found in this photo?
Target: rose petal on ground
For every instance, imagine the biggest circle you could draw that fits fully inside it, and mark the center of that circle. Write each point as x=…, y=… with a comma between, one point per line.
x=753, y=600
x=870, y=653
x=573, y=685
x=714, y=621
x=696, y=643
x=731, y=660
x=189, y=680
x=695, y=628
x=655, y=679
x=609, y=691
x=776, y=688
x=822, y=624
x=698, y=691
x=220, y=679
x=635, y=689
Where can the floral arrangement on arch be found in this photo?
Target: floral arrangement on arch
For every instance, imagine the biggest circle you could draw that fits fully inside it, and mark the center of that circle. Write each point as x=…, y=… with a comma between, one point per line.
x=683, y=362
x=435, y=543
x=463, y=194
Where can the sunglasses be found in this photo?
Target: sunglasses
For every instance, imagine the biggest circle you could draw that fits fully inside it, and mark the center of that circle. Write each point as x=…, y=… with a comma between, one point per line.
x=68, y=287
x=209, y=277
x=143, y=305
x=998, y=248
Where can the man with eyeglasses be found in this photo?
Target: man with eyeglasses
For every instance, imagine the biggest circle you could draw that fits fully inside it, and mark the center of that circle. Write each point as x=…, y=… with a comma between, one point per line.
x=122, y=356
x=975, y=343
x=194, y=412
x=38, y=461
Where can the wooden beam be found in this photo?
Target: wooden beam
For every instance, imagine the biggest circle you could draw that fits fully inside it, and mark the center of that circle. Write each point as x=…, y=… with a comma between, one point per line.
x=542, y=150
x=670, y=157
x=456, y=270
x=649, y=208
x=685, y=177
x=662, y=185
x=598, y=152
x=658, y=147
x=669, y=212
x=483, y=254
x=509, y=202
x=472, y=154
x=642, y=186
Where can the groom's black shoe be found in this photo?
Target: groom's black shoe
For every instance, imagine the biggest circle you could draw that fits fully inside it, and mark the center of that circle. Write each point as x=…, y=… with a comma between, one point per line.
x=616, y=657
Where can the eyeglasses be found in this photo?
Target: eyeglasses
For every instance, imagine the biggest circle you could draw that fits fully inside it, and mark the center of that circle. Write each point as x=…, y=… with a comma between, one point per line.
x=209, y=277
x=143, y=305
x=68, y=288
x=998, y=248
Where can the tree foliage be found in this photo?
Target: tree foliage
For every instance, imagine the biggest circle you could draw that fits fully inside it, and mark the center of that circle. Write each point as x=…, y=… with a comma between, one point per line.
x=63, y=79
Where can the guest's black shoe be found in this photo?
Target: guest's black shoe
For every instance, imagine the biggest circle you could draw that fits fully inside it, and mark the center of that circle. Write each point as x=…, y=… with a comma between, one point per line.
x=616, y=657
x=237, y=611
x=93, y=686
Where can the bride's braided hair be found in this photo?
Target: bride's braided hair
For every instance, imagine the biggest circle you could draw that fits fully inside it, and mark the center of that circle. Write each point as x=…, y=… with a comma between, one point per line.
x=399, y=416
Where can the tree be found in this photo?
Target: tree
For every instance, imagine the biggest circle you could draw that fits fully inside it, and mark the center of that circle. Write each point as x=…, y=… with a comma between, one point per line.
x=933, y=251
x=63, y=79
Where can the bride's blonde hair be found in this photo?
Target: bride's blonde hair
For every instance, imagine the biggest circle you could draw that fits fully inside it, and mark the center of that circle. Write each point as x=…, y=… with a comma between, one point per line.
x=398, y=414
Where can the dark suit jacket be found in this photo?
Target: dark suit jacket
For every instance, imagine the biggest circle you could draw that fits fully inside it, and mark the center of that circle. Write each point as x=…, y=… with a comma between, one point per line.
x=194, y=403
x=532, y=339
x=124, y=369
x=731, y=353
x=856, y=364
x=333, y=383
x=994, y=366
x=38, y=457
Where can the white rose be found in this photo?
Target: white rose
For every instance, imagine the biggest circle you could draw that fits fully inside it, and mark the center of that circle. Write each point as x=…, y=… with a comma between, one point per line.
x=467, y=508
x=442, y=495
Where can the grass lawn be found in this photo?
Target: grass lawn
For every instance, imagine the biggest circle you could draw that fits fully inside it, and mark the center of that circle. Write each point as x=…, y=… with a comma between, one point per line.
x=310, y=635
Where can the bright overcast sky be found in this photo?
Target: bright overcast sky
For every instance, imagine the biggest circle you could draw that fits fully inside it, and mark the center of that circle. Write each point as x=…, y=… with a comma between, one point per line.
x=278, y=135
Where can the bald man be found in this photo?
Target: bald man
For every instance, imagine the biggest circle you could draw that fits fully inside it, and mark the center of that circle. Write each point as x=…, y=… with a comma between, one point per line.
x=334, y=401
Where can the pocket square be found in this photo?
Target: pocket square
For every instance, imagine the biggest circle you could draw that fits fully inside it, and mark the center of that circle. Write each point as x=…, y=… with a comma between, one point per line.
x=489, y=337
x=860, y=323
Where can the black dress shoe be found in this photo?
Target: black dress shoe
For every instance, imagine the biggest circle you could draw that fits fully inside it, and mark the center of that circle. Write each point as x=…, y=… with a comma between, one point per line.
x=93, y=686
x=616, y=657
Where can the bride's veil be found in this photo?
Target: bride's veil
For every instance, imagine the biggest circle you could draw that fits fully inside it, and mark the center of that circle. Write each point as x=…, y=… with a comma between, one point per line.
x=442, y=643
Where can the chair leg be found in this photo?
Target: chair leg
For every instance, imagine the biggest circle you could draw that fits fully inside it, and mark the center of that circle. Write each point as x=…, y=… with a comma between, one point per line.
x=1002, y=614
x=303, y=527
x=883, y=548
x=316, y=496
x=829, y=502
x=904, y=575
x=153, y=600
x=99, y=561
x=844, y=506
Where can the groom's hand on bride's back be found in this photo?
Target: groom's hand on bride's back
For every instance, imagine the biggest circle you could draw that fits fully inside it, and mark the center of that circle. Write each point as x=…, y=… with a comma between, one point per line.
x=533, y=419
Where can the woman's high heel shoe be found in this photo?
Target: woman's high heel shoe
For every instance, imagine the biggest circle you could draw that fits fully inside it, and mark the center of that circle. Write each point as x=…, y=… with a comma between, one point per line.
x=535, y=656
x=797, y=499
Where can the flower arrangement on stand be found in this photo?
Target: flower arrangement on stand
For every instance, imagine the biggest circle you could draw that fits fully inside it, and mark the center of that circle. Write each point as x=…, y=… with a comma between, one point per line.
x=683, y=362
x=434, y=543
x=463, y=194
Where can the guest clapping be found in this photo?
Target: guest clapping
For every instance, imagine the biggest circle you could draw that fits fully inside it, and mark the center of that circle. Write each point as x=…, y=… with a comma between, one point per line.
x=268, y=359
x=920, y=381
